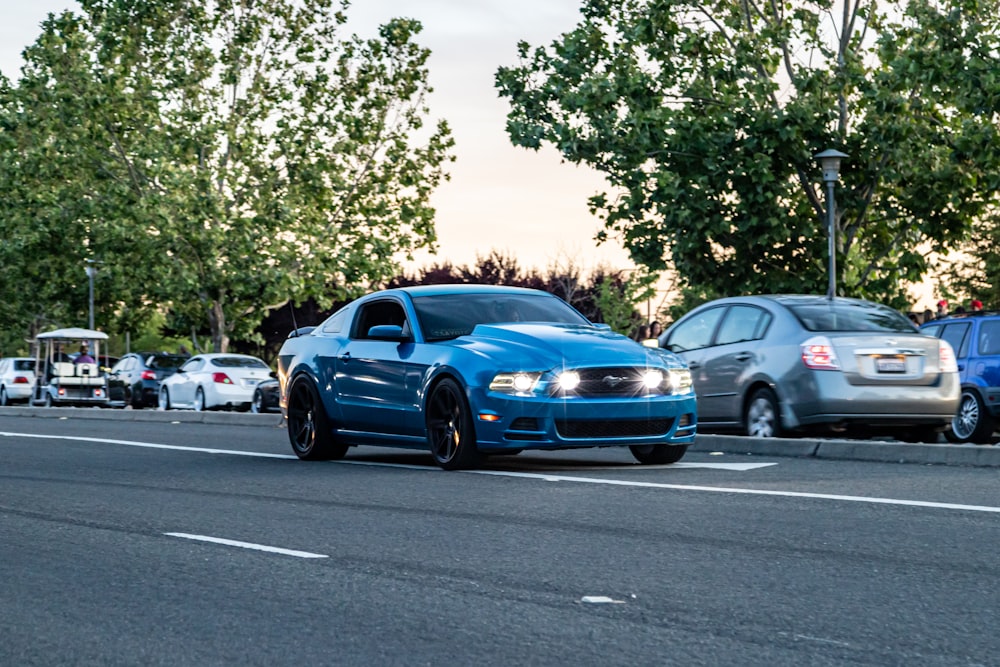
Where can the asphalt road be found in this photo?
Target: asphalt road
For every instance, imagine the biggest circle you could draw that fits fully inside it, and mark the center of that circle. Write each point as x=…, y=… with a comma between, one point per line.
x=144, y=543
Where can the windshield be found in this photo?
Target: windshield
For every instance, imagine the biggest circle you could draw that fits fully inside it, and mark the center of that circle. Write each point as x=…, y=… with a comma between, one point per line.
x=851, y=316
x=238, y=362
x=451, y=315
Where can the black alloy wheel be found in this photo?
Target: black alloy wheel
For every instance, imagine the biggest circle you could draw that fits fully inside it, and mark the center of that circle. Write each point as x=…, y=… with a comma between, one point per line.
x=257, y=404
x=450, y=433
x=309, y=430
x=658, y=454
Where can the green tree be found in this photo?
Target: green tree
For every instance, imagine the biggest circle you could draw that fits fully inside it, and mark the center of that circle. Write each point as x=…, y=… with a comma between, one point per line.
x=705, y=115
x=220, y=158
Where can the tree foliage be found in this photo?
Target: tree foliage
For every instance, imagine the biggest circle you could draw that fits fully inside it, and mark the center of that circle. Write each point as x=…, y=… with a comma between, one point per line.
x=219, y=158
x=705, y=115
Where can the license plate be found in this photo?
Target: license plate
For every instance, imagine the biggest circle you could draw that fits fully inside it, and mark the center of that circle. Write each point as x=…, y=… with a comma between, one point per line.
x=890, y=365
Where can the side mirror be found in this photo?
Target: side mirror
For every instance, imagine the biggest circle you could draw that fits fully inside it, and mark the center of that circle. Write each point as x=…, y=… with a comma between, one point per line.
x=388, y=332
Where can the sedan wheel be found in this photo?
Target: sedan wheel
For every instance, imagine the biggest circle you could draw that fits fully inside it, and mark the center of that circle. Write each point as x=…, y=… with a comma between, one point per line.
x=657, y=454
x=199, y=400
x=449, y=428
x=163, y=399
x=257, y=404
x=762, y=417
x=3, y=396
x=309, y=428
x=971, y=423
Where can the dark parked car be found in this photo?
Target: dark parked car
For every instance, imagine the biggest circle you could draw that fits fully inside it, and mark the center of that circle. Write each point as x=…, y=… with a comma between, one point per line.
x=470, y=370
x=770, y=365
x=976, y=339
x=266, y=397
x=135, y=379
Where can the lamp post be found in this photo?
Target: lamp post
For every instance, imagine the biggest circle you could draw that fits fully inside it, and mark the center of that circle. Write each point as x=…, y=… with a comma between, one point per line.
x=91, y=270
x=829, y=162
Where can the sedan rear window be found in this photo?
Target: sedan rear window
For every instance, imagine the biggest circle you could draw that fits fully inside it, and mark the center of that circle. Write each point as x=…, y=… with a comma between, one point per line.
x=238, y=362
x=452, y=315
x=166, y=362
x=24, y=364
x=851, y=316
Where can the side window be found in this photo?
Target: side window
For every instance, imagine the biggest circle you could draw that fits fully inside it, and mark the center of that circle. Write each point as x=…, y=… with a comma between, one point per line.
x=989, y=337
x=334, y=323
x=958, y=335
x=933, y=330
x=379, y=312
x=192, y=365
x=695, y=332
x=743, y=323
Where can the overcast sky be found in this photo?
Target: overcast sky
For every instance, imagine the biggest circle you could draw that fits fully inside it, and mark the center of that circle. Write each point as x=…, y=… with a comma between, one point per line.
x=500, y=197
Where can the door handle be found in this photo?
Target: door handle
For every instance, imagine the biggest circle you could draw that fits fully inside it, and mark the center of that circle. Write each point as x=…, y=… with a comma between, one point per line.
x=743, y=356
x=692, y=365
x=346, y=356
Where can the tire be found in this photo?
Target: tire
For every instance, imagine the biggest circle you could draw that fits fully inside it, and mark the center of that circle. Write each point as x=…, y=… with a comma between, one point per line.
x=658, y=454
x=199, y=400
x=47, y=401
x=972, y=423
x=4, y=400
x=163, y=402
x=762, y=417
x=309, y=429
x=257, y=404
x=450, y=434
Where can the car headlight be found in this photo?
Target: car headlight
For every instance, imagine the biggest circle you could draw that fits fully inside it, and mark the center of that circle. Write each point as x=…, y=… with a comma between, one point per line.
x=680, y=381
x=519, y=382
x=652, y=379
x=568, y=380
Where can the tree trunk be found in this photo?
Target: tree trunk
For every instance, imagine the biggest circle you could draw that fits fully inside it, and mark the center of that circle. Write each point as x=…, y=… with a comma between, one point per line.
x=217, y=323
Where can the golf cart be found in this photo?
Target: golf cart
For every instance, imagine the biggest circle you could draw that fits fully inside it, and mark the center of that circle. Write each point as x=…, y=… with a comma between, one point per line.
x=59, y=378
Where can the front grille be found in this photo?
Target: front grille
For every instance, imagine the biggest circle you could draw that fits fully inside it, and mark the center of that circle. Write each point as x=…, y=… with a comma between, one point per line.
x=631, y=428
x=615, y=381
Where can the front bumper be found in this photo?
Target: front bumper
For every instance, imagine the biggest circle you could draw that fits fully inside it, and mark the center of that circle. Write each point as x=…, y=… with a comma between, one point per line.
x=532, y=422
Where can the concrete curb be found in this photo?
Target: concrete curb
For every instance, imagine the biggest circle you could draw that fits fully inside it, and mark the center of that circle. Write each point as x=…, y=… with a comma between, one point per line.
x=845, y=450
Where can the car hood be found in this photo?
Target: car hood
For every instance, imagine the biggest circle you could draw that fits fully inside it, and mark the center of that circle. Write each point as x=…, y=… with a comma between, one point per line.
x=547, y=346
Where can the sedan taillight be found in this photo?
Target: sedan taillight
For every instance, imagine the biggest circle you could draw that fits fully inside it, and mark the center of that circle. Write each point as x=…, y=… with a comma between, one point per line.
x=946, y=357
x=818, y=354
x=20, y=379
x=148, y=375
x=221, y=378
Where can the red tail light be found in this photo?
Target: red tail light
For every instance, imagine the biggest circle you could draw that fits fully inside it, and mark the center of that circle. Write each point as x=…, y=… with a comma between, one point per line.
x=20, y=379
x=221, y=378
x=818, y=354
x=149, y=375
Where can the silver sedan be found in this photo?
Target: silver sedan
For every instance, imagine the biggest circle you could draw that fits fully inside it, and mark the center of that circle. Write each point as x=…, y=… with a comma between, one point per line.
x=775, y=365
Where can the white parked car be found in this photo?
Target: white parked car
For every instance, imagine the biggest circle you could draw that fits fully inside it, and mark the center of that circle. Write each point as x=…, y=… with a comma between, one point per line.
x=17, y=379
x=212, y=381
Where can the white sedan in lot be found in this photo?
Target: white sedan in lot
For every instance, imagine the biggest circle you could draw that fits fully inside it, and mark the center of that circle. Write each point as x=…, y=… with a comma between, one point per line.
x=17, y=379
x=213, y=381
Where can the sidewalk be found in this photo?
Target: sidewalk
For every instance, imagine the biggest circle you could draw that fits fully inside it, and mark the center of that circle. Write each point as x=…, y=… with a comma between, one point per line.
x=820, y=448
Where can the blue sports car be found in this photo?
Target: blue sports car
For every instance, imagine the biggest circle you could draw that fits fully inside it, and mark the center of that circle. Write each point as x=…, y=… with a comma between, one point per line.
x=472, y=370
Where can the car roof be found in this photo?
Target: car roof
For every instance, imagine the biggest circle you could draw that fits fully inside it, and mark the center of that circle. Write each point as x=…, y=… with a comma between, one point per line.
x=958, y=317
x=438, y=290
x=792, y=299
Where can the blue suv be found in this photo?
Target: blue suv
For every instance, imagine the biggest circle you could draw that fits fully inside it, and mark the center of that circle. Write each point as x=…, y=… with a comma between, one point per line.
x=975, y=338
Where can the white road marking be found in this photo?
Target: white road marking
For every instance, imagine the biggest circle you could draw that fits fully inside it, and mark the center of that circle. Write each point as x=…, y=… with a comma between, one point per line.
x=151, y=445
x=548, y=477
x=247, y=545
x=600, y=599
